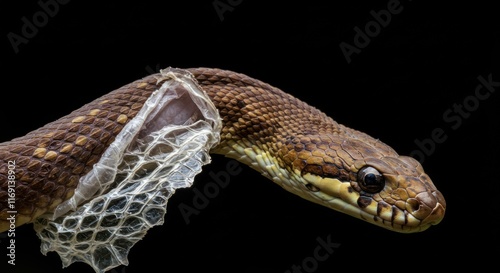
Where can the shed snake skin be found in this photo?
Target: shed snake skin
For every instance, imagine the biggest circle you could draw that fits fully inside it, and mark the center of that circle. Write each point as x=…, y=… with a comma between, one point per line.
x=293, y=144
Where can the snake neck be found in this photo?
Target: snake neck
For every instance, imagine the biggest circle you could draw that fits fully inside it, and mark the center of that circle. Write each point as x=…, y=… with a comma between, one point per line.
x=266, y=128
x=255, y=112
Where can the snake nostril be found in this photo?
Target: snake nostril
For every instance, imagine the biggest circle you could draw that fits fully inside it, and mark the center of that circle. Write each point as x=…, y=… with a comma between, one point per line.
x=426, y=207
x=413, y=204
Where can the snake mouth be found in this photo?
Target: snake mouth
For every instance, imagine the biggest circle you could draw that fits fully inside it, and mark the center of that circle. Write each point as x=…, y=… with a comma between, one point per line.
x=413, y=213
x=412, y=223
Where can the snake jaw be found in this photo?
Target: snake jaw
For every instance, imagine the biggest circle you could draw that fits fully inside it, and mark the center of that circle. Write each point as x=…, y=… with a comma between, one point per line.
x=409, y=201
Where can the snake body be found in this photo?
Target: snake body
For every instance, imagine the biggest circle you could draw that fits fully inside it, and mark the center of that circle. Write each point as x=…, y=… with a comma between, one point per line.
x=290, y=142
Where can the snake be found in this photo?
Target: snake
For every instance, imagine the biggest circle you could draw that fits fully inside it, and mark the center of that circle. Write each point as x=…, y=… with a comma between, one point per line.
x=295, y=145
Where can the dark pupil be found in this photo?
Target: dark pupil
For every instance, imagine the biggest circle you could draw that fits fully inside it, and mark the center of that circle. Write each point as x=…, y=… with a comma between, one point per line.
x=371, y=180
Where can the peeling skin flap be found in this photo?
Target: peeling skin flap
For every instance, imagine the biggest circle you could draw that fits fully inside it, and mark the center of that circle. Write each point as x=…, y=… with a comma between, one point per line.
x=126, y=193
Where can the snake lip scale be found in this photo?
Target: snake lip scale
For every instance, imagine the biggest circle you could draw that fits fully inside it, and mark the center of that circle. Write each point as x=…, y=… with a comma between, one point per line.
x=290, y=142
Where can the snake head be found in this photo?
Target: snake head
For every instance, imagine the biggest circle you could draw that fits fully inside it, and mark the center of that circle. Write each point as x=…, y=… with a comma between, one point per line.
x=395, y=192
x=365, y=178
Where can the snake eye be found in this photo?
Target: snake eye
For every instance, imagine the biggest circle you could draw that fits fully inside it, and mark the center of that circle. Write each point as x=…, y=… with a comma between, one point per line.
x=370, y=180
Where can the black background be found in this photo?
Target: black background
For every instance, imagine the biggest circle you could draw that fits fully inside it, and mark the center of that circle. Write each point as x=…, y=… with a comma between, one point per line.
x=397, y=89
